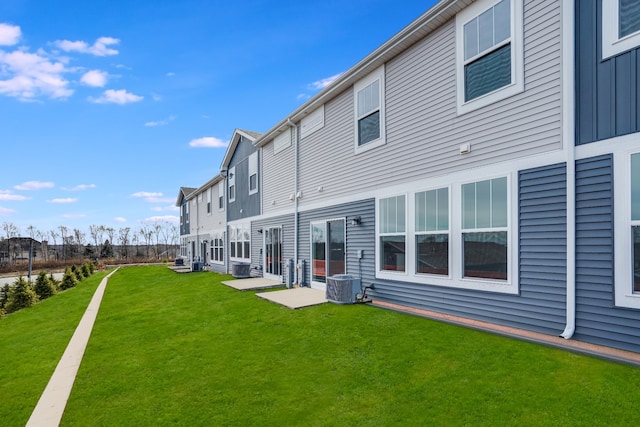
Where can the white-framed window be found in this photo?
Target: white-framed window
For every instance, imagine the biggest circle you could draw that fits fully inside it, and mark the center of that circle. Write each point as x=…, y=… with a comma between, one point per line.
x=209, y=201
x=485, y=229
x=232, y=184
x=392, y=233
x=187, y=211
x=620, y=26
x=253, y=173
x=282, y=141
x=432, y=232
x=217, y=247
x=369, y=102
x=221, y=196
x=627, y=230
x=489, y=53
x=312, y=122
x=240, y=242
x=458, y=233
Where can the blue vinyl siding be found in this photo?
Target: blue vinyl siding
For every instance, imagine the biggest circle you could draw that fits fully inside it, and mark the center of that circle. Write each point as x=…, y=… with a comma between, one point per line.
x=598, y=321
x=607, y=92
x=540, y=306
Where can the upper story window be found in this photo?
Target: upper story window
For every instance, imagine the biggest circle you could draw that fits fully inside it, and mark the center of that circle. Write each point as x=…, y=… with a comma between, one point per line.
x=221, y=195
x=253, y=173
x=488, y=53
x=232, y=184
x=620, y=26
x=369, y=111
x=209, y=200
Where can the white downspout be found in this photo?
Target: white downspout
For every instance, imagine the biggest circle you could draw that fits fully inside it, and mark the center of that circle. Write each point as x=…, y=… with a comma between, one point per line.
x=568, y=77
x=297, y=279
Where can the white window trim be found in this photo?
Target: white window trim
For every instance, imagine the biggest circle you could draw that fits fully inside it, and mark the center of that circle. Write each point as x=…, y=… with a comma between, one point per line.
x=404, y=233
x=624, y=296
x=209, y=206
x=221, y=187
x=253, y=170
x=378, y=74
x=438, y=232
x=282, y=141
x=456, y=278
x=233, y=242
x=312, y=123
x=216, y=235
x=611, y=44
x=517, y=56
x=232, y=183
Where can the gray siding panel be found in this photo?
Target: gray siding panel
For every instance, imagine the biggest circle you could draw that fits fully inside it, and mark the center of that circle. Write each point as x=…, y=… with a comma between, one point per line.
x=607, y=93
x=542, y=255
x=286, y=223
x=597, y=319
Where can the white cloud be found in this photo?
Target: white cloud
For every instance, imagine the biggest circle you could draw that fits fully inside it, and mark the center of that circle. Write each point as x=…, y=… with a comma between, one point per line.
x=95, y=78
x=116, y=97
x=171, y=74
x=323, y=83
x=146, y=194
x=7, y=195
x=31, y=75
x=120, y=219
x=33, y=185
x=161, y=122
x=151, y=197
x=99, y=47
x=80, y=187
x=209, y=142
x=6, y=211
x=63, y=200
x=9, y=34
x=74, y=215
x=170, y=208
x=168, y=218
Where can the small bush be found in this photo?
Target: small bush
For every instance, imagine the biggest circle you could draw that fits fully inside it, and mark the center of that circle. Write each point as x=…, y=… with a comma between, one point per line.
x=77, y=272
x=2, y=313
x=55, y=282
x=4, y=295
x=43, y=287
x=21, y=295
x=68, y=280
x=86, y=271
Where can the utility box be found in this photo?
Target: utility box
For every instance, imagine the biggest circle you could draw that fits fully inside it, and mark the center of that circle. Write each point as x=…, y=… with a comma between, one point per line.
x=343, y=288
x=196, y=266
x=241, y=270
x=289, y=273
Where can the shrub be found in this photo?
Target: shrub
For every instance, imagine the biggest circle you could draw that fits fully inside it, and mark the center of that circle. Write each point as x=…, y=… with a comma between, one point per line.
x=92, y=266
x=68, y=280
x=86, y=272
x=4, y=295
x=76, y=271
x=43, y=287
x=2, y=313
x=21, y=295
x=55, y=282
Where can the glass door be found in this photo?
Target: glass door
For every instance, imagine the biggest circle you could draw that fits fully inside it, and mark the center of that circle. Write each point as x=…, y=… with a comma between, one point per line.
x=273, y=252
x=328, y=240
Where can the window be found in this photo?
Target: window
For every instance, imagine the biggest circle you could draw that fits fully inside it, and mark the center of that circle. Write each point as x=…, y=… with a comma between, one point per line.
x=221, y=195
x=240, y=242
x=392, y=233
x=369, y=111
x=432, y=231
x=209, y=201
x=620, y=26
x=232, y=184
x=282, y=141
x=217, y=248
x=253, y=173
x=484, y=229
x=312, y=122
x=489, y=53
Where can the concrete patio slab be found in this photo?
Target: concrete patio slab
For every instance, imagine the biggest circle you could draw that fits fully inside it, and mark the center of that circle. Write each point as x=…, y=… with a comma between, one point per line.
x=253, y=283
x=296, y=297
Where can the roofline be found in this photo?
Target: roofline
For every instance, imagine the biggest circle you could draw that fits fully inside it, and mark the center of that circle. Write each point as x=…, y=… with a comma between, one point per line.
x=216, y=179
x=428, y=22
x=233, y=143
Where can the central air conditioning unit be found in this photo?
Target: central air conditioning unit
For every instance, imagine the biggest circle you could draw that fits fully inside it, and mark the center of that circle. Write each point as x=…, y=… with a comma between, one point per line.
x=343, y=288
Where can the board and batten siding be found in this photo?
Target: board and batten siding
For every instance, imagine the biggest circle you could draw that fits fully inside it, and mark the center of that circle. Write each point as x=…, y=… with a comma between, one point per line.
x=278, y=178
x=607, y=92
x=286, y=223
x=540, y=305
x=423, y=130
x=358, y=237
x=598, y=321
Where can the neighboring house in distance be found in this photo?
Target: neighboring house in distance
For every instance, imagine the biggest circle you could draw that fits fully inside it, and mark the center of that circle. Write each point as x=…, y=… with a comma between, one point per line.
x=242, y=170
x=607, y=192
x=182, y=202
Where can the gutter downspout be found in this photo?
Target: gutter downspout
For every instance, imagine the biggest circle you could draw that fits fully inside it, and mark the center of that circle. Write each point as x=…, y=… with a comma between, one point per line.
x=568, y=112
x=295, y=196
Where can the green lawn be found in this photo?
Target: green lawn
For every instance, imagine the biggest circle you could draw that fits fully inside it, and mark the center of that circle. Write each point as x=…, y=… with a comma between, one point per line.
x=185, y=350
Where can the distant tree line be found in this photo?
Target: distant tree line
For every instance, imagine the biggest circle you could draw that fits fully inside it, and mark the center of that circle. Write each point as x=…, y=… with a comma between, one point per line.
x=155, y=240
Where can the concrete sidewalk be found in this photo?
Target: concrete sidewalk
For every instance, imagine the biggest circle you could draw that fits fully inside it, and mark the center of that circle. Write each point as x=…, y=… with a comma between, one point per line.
x=48, y=412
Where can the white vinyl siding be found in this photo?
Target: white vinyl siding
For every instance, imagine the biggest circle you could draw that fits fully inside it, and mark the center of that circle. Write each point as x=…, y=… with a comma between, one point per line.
x=489, y=53
x=369, y=111
x=620, y=26
x=312, y=122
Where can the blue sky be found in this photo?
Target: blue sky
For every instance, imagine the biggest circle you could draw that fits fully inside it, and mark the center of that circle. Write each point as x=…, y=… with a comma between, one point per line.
x=109, y=107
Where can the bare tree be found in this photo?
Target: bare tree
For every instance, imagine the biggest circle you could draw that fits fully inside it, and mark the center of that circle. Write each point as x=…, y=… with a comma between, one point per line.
x=136, y=241
x=10, y=230
x=42, y=236
x=123, y=241
x=156, y=231
x=64, y=232
x=97, y=232
x=146, y=234
x=169, y=235
x=80, y=239
x=54, y=236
